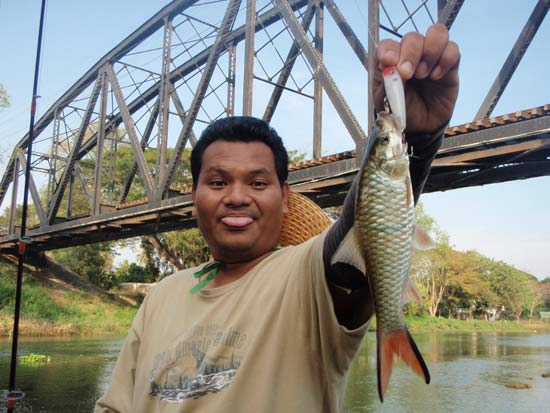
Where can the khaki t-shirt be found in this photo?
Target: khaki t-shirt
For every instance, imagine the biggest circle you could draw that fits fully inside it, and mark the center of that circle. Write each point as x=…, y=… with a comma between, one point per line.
x=268, y=342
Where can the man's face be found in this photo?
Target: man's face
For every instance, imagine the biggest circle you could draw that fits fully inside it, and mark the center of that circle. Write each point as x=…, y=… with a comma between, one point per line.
x=239, y=203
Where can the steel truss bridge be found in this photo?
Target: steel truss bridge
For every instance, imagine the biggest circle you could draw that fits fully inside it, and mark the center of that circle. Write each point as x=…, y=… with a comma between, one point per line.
x=109, y=157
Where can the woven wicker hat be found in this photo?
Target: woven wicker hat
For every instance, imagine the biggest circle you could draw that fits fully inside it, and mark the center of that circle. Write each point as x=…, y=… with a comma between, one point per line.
x=304, y=220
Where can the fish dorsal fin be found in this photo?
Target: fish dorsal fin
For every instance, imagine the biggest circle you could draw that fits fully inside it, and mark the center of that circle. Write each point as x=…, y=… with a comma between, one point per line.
x=349, y=252
x=421, y=239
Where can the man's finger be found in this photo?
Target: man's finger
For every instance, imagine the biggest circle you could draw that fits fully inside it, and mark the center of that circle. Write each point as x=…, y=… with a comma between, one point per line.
x=448, y=61
x=435, y=42
x=410, y=55
x=387, y=53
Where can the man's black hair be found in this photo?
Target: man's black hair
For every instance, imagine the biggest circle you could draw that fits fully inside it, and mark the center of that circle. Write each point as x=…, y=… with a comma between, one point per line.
x=241, y=129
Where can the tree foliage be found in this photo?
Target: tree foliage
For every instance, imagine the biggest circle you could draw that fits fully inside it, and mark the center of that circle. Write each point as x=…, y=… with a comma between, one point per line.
x=134, y=272
x=4, y=98
x=468, y=284
x=175, y=250
x=91, y=261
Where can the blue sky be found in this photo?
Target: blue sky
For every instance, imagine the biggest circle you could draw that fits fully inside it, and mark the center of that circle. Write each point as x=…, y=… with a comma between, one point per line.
x=507, y=221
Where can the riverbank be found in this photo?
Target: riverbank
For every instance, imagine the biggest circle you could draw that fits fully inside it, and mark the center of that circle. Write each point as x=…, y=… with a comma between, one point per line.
x=100, y=318
x=51, y=307
x=435, y=324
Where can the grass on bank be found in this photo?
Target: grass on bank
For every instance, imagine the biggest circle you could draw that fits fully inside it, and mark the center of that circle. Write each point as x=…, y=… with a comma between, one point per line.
x=58, y=310
x=47, y=310
x=427, y=324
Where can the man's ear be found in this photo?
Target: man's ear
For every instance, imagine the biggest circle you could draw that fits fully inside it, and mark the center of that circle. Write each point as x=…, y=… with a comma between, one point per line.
x=285, y=190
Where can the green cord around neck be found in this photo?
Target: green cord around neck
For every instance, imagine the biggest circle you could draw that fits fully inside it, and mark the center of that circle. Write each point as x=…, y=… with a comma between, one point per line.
x=212, y=269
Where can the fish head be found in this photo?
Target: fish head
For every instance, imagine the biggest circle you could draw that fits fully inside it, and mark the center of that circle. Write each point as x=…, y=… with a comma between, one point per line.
x=389, y=151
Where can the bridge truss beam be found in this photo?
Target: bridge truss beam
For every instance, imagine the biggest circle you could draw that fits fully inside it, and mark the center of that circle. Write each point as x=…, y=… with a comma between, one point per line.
x=114, y=148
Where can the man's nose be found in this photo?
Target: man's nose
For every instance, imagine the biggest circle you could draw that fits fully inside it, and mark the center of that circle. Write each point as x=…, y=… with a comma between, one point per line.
x=237, y=195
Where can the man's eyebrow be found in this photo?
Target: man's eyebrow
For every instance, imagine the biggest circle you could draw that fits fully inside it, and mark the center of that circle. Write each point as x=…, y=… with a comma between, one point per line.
x=216, y=169
x=260, y=171
x=223, y=171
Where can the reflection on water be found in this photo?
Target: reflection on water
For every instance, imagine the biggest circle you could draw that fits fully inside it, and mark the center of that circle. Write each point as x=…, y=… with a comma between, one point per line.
x=469, y=373
x=76, y=376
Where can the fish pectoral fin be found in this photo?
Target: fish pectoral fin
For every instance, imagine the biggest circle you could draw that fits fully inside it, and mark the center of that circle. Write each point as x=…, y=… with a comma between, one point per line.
x=410, y=293
x=350, y=253
x=421, y=240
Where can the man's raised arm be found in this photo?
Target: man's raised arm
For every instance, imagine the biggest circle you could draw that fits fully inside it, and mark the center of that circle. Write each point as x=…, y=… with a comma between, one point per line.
x=428, y=66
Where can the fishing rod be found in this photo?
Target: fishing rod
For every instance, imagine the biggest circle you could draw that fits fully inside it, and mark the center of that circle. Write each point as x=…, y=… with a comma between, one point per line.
x=24, y=241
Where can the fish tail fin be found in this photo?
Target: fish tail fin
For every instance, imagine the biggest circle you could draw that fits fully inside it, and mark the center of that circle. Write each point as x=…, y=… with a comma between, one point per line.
x=399, y=343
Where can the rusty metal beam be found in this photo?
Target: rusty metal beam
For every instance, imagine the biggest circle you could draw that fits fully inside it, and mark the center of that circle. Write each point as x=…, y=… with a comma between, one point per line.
x=15, y=187
x=515, y=130
x=348, y=33
x=314, y=60
x=69, y=167
x=514, y=58
x=493, y=152
x=488, y=175
x=144, y=139
x=227, y=23
x=318, y=86
x=181, y=113
x=100, y=144
x=447, y=14
x=34, y=193
x=164, y=106
x=248, y=74
x=234, y=37
x=287, y=68
x=144, y=170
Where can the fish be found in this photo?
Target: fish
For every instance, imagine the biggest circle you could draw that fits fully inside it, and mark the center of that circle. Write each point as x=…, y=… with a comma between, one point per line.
x=381, y=241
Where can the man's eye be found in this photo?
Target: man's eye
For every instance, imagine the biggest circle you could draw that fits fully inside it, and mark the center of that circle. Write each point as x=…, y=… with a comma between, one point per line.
x=259, y=184
x=217, y=183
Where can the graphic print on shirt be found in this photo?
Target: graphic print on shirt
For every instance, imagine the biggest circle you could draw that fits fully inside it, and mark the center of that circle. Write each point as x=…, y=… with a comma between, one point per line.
x=202, y=362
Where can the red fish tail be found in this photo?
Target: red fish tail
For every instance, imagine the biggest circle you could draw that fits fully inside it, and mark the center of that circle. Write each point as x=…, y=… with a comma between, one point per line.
x=400, y=344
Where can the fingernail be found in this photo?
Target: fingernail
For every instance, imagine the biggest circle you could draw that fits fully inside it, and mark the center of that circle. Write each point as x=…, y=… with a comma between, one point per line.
x=406, y=69
x=390, y=57
x=436, y=73
x=421, y=70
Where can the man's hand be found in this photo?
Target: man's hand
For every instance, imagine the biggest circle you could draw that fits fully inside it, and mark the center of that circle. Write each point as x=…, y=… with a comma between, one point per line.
x=428, y=66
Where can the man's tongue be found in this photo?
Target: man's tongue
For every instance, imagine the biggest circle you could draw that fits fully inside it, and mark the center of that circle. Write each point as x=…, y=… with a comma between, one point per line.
x=237, y=222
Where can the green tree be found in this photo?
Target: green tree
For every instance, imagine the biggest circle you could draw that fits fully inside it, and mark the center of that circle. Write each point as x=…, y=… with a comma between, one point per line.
x=133, y=272
x=91, y=261
x=178, y=249
x=539, y=294
x=4, y=103
x=545, y=286
x=4, y=98
x=431, y=269
x=512, y=287
x=32, y=218
x=294, y=156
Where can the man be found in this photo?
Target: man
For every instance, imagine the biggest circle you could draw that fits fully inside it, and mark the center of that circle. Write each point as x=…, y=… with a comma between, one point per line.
x=261, y=329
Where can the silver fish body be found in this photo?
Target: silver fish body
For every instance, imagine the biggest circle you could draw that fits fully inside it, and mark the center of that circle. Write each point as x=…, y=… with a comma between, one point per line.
x=384, y=227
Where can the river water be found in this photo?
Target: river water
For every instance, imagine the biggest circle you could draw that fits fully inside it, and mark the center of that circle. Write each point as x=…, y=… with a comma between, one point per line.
x=469, y=373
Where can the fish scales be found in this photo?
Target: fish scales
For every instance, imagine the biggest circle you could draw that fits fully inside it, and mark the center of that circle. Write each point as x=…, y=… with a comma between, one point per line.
x=384, y=230
x=385, y=222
